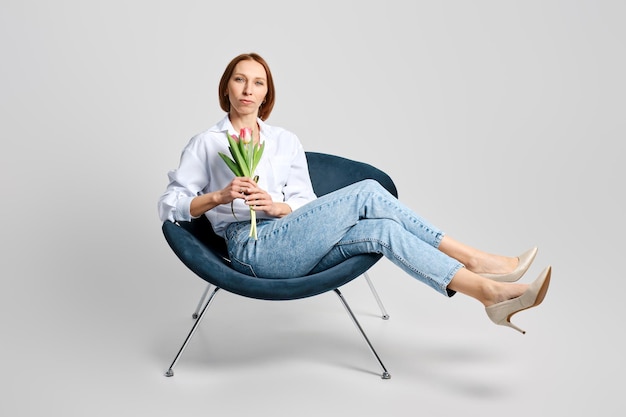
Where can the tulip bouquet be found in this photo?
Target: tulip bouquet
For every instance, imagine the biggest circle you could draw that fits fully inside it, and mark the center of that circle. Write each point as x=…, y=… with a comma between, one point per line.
x=245, y=158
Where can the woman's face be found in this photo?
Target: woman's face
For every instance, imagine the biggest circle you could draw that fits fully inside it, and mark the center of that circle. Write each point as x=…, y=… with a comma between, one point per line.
x=247, y=88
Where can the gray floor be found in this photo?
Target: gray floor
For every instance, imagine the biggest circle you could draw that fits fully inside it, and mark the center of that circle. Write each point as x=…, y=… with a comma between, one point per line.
x=501, y=122
x=102, y=349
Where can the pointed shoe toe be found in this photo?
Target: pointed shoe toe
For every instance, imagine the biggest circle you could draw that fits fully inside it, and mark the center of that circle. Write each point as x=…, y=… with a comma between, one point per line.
x=501, y=313
x=524, y=262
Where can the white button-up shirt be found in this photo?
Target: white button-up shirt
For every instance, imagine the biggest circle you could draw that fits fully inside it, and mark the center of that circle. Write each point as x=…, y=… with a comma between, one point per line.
x=283, y=173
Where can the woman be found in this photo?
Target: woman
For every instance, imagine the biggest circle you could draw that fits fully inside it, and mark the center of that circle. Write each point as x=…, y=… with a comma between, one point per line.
x=360, y=218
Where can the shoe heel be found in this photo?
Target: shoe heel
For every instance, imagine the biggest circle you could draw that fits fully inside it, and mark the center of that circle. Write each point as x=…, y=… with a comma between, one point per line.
x=511, y=325
x=501, y=313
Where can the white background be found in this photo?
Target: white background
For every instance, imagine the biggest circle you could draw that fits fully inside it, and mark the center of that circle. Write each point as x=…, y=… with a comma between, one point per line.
x=500, y=121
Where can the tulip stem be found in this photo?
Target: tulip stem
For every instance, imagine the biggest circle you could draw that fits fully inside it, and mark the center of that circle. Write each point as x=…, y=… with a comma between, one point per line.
x=253, y=215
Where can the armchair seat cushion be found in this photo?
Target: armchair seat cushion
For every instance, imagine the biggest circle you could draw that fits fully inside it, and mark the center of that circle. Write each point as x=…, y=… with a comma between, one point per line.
x=211, y=266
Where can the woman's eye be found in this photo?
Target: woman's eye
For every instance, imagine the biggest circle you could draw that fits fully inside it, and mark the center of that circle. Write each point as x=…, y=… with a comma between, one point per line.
x=238, y=79
x=259, y=83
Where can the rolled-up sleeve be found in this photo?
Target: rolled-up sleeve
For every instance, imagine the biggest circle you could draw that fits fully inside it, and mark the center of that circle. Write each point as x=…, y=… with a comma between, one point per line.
x=185, y=183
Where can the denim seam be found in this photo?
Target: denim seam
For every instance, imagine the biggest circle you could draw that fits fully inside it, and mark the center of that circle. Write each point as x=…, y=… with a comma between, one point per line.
x=437, y=236
x=404, y=262
x=451, y=275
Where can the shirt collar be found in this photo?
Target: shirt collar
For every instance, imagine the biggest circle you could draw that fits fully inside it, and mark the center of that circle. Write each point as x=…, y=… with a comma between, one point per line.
x=225, y=125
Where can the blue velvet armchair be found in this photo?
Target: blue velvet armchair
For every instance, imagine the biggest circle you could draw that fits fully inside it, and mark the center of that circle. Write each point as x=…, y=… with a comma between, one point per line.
x=204, y=253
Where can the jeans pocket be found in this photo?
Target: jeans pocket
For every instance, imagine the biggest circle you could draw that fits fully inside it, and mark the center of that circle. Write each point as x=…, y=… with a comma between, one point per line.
x=242, y=267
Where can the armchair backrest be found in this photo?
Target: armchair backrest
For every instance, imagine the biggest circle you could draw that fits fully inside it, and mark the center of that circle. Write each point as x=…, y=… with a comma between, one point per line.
x=330, y=172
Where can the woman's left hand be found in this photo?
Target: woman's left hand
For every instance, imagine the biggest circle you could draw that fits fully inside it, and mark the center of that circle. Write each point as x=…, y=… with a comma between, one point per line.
x=260, y=200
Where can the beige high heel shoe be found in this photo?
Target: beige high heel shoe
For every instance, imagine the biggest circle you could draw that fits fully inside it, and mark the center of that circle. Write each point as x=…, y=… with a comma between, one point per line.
x=500, y=313
x=524, y=261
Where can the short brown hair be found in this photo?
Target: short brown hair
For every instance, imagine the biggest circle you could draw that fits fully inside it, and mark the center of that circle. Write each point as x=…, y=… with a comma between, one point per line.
x=268, y=103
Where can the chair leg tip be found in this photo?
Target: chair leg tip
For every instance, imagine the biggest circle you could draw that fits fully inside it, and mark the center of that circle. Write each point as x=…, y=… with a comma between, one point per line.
x=386, y=375
x=169, y=373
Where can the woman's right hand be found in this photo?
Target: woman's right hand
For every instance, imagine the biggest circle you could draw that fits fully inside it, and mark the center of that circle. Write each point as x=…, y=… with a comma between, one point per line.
x=237, y=188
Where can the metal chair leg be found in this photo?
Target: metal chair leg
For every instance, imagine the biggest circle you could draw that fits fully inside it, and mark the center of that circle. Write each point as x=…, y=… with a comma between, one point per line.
x=385, y=316
x=170, y=371
x=385, y=374
x=204, y=294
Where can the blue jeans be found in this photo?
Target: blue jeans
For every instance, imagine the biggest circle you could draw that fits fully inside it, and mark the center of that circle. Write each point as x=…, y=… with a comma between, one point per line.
x=360, y=218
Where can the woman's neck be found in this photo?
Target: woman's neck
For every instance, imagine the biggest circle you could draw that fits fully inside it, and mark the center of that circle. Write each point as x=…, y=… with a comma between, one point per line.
x=239, y=123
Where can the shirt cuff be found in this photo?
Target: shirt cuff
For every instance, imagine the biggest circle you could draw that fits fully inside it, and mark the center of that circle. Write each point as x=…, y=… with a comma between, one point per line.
x=296, y=204
x=183, y=209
